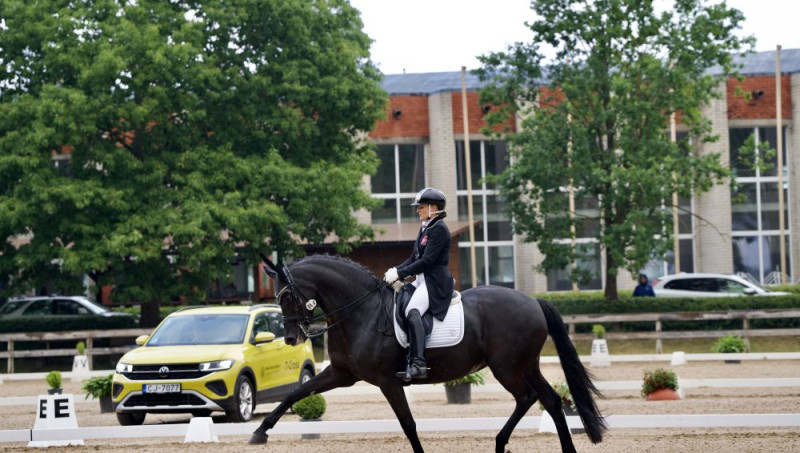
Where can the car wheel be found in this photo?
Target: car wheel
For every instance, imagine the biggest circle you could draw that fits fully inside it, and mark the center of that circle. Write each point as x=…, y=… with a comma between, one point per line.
x=244, y=401
x=305, y=375
x=131, y=418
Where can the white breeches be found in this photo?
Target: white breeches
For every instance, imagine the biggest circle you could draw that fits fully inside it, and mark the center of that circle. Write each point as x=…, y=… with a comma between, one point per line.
x=419, y=300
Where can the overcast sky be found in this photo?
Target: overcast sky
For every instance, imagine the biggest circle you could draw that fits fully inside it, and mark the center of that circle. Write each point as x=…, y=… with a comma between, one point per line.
x=443, y=35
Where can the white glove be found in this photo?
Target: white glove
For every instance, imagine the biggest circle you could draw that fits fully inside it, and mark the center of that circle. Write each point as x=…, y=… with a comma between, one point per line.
x=391, y=275
x=398, y=285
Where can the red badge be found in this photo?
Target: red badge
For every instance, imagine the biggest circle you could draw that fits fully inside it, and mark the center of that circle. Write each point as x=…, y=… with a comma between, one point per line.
x=424, y=240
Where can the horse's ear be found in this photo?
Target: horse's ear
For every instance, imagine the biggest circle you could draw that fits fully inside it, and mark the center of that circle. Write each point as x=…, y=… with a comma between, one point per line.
x=284, y=274
x=269, y=268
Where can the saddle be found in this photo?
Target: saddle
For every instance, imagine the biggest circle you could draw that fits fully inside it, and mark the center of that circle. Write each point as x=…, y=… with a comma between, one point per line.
x=437, y=333
x=402, y=299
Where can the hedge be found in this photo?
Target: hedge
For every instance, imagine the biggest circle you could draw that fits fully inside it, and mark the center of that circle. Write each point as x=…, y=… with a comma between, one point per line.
x=594, y=303
x=66, y=323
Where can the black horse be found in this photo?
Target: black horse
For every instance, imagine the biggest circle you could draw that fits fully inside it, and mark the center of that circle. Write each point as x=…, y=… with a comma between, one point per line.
x=504, y=330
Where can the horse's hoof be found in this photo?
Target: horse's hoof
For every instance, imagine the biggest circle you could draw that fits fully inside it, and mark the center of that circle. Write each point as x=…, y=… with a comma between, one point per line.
x=258, y=438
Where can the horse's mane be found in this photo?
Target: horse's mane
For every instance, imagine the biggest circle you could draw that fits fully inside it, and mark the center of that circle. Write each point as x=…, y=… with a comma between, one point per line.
x=338, y=258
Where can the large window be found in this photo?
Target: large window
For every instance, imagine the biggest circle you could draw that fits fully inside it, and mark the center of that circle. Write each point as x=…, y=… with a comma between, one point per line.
x=754, y=212
x=494, y=246
x=400, y=175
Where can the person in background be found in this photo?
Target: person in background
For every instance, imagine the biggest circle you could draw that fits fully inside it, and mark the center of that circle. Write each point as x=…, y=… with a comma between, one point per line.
x=643, y=289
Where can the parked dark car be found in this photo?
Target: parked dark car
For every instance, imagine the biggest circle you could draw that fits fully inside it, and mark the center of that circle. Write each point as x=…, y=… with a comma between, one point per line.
x=55, y=306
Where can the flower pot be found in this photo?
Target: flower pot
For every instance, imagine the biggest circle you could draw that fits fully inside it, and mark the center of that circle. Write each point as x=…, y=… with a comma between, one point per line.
x=733, y=361
x=459, y=393
x=55, y=391
x=663, y=395
x=106, y=405
x=309, y=435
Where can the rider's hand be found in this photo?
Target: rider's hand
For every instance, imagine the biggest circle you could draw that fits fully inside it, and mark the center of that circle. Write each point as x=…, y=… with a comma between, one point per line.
x=391, y=275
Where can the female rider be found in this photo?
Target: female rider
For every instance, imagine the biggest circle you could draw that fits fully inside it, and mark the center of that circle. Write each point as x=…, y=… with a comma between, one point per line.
x=434, y=284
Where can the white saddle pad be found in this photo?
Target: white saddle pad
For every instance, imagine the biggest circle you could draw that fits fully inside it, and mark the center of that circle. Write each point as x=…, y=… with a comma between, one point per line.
x=445, y=333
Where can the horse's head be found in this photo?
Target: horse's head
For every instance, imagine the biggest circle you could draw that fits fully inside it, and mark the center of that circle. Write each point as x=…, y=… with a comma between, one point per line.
x=296, y=307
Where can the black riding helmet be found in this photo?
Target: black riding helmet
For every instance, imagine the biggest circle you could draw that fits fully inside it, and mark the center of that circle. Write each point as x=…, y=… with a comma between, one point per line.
x=429, y=195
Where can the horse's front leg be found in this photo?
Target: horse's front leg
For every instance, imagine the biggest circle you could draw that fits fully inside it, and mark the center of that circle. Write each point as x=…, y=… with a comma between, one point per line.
x=397, y=399
x=328, y=379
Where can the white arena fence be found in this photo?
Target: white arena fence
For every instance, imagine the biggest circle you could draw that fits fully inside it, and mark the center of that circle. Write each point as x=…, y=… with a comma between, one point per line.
x=392, y=426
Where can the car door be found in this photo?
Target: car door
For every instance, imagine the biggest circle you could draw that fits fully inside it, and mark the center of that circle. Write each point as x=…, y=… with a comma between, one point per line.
x=269, y=359
x=289, y=355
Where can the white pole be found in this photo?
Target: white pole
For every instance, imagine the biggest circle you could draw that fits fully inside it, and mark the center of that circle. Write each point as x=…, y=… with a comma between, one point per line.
x=779, y=127
x=676, y=242
x=468, y=162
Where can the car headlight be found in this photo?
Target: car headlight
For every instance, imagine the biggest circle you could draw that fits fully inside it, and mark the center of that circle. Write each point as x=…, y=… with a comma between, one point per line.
x=216, y=365
x=124, y=368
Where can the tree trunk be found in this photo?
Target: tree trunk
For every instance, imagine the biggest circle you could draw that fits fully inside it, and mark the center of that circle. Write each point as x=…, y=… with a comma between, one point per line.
x=150, y=314
x=611, y=292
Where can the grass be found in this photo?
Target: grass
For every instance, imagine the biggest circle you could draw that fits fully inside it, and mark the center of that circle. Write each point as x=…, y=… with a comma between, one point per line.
x=690, y=346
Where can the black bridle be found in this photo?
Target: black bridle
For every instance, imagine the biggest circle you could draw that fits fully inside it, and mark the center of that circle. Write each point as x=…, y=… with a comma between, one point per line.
x=306, y=309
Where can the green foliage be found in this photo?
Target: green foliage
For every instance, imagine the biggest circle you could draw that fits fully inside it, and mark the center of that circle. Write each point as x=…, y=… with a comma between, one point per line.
x=98, y=386
x=311, y=407
x=474, y=378
x=58, y=323
x=598, y=331
x=80, y=347
x=730, y=344
x=53, y=379
x=620, y=70
x=658, y=379
x=182, y=141
x=563, y=392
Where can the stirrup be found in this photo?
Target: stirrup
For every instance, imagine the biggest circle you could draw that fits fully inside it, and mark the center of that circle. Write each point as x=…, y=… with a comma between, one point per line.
x=414, y=370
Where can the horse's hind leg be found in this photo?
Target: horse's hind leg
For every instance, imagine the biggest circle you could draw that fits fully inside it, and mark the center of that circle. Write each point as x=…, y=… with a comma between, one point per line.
x=515, y=382
x=552, y=403
x=397, y=400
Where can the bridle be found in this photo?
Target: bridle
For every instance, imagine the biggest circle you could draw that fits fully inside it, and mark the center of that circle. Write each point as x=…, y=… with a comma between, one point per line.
x=306, y=310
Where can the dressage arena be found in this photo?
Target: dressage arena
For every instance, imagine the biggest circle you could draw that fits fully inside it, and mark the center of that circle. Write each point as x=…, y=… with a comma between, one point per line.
x=767, y=387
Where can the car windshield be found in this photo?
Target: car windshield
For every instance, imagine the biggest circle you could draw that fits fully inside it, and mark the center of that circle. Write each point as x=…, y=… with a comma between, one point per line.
x=200, y=329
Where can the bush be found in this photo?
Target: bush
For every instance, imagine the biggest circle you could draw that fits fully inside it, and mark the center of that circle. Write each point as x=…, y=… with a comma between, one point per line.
x=659, y=379
x=58, y=323
x=53, y=379
x=98, y=386
x=311, y=407
x=599, y=331
x=474, y=378
x=730, y=344
x=566, y=397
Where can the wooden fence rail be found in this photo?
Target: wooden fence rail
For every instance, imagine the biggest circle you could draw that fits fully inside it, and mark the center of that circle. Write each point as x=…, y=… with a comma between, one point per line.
x=88, y=336
x=659, y=318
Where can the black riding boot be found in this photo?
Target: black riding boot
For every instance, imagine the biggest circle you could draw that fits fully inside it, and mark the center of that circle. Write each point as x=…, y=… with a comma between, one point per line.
x=416, y=368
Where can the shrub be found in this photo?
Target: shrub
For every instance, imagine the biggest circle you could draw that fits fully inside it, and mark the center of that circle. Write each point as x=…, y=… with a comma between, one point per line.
x=98, y=386
x=53, y=379
x=566, y=397
x=311, y=407
x=80, y=347
x=474, y=378
x=729, y=344
x=659, y=379
x=599, y=331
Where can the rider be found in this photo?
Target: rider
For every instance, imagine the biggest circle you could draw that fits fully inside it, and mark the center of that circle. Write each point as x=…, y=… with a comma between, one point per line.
x=434, y=284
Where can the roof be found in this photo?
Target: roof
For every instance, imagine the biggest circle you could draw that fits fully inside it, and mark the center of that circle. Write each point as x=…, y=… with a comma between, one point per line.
x=759, y=63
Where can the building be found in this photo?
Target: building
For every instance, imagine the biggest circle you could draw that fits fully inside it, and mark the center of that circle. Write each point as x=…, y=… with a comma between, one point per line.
x=421, y=143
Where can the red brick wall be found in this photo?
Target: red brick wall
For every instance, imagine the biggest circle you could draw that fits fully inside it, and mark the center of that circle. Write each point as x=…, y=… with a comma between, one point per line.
x=763, y=107
x=474, y=114
x=412, y=123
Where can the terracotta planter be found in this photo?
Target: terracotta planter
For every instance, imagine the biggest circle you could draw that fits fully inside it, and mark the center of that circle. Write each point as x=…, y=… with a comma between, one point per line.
x=459, y=393
x=663, y=395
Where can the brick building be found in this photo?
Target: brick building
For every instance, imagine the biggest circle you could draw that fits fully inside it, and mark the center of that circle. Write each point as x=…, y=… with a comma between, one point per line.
x=421, y=143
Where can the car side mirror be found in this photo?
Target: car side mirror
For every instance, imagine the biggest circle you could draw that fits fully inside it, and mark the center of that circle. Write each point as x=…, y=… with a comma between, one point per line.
x=141, y=340
x=264, y=337
x=749, y=291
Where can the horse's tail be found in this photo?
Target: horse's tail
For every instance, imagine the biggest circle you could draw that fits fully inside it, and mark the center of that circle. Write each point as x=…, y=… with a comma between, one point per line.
x=579, y=379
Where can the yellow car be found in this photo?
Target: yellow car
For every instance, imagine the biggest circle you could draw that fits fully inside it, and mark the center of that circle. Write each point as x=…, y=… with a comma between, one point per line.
x=205, y=359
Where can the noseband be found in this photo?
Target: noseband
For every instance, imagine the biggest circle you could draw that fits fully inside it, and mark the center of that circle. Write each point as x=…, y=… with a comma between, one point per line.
x=305, y=319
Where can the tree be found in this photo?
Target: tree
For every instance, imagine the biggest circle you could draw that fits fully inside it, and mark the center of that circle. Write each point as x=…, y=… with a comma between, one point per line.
x=601, y=123
x=146, y=144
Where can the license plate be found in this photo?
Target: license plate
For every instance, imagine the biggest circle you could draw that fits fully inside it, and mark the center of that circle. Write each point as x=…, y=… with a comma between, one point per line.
x=161, y=388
